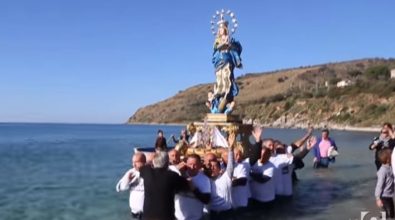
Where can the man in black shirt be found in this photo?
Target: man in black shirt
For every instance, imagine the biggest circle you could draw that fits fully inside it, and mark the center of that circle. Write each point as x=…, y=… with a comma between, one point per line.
x=253, y=150
x=160, y=185
x=160, y=143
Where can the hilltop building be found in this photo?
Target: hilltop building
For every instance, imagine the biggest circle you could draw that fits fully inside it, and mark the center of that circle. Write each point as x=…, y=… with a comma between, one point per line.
x=343, y=83
x=393, y=74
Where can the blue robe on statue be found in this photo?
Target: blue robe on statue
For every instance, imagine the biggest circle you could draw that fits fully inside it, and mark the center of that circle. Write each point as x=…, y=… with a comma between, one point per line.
x=222, y=57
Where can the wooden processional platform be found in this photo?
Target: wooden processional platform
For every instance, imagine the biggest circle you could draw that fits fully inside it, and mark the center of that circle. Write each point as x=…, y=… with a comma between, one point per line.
x=228, y=123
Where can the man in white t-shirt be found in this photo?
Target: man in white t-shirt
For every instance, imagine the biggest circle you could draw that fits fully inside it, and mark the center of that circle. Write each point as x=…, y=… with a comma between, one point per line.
x=240, y=186
x=131, y=181
x=189, y=205
x=283, y=163
x=221, y=185
x=262, y=184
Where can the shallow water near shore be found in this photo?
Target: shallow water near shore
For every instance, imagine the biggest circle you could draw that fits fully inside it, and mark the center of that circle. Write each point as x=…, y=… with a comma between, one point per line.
x=64, y=171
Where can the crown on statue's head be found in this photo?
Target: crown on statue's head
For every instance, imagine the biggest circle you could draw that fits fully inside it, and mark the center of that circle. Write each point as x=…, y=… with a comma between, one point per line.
x=222, y=22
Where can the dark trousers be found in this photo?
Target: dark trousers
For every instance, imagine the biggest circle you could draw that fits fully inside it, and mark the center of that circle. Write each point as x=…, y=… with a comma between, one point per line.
x=322, y=163
x=258, y=205
x=136, y=216
x=294, y=177
x=388, y=206
x=378, y=164
x=221, y=215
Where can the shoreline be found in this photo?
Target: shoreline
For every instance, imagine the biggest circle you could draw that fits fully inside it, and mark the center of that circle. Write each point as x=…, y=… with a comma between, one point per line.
x=329, y=126
x=351, y=128
x=155, y=124
x=302, y=126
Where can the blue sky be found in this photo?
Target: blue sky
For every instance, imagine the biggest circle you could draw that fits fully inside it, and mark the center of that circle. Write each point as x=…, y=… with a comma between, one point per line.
x=98, y=61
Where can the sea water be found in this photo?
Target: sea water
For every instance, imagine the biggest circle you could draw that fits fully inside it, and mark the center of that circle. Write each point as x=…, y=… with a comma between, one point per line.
x=69, y=171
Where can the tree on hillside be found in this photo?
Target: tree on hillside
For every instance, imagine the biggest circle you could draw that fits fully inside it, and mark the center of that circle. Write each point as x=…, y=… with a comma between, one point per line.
x=377, y=72
x=354, y=73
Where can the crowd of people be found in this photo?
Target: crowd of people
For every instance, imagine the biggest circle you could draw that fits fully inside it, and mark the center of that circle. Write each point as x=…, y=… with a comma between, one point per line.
x=244, y=177
x=383, y=146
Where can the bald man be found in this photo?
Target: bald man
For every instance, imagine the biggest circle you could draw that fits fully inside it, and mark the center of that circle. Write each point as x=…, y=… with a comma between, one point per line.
x=208, y=158
x=269, y=143
x=263, y=191
x=131, y=181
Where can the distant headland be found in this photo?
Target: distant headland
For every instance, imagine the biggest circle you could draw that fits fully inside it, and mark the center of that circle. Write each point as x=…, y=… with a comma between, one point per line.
x=350, y=95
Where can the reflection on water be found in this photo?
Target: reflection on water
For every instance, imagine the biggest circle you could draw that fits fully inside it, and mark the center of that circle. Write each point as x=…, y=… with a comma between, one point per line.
x=70, y=172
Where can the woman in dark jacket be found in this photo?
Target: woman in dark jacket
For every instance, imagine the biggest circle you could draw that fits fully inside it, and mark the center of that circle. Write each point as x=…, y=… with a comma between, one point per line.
x=385, y=140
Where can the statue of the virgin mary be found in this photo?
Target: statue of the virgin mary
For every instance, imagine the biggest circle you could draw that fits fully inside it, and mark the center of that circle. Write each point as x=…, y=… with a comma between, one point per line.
x=226, y=57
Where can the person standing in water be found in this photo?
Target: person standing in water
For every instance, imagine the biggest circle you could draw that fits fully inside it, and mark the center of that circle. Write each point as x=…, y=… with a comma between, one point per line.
x=322, y=148
x=384, y=192
x=160, y=187
x=189, y=205
x=240, y=187
x=184, y=137
x=221, y=185
x=160, y=143
x=385, y=140
x=131, y=181
x=263, y=191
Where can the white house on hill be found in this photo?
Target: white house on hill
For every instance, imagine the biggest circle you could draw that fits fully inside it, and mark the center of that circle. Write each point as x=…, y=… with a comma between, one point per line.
x=343, y=83
x=393, y=74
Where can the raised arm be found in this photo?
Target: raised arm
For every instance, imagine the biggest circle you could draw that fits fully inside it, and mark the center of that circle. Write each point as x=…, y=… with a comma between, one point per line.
x=391, y=133
x=256, y=133
x=305, y=150
x=174, y=139
x=230, y=165
x=125, y=182
x=300, y=142
x=254, y=151
x=374, y=143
